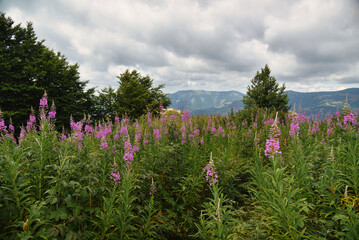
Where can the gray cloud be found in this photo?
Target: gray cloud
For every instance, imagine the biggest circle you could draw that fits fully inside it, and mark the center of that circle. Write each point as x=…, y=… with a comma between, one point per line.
x=203, y=44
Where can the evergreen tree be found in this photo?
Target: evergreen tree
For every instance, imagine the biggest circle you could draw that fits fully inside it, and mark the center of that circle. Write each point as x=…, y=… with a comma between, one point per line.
x=28, y=68
x=265, y=92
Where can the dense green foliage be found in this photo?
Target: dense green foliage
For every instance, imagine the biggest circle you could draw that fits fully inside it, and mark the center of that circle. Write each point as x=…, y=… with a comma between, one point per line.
x=28, y=68
x=183, y=177
x=135, y=96
x=264, y=92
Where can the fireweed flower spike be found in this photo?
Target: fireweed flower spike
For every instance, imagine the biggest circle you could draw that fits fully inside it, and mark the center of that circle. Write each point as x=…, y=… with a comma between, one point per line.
x=272, y=144
x=2, y=124
x=272, y=147
x=43, y=101
x=294, y=127
x=43, y=106
x=32, y=121
x=211, y=174
x=129, y=152
x=52, y=113
x=115, y=174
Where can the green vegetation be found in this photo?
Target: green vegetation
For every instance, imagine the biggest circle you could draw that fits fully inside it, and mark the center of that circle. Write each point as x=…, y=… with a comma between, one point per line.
x=182, y=177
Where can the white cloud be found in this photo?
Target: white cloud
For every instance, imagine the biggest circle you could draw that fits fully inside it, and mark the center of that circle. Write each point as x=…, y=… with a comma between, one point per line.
x=203, y=44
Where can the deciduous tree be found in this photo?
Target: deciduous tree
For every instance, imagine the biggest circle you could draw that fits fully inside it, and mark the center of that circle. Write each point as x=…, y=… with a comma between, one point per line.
x=134, y=97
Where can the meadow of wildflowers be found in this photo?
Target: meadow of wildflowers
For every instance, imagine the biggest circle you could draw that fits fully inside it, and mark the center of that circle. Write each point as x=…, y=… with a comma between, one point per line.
x=247, y=175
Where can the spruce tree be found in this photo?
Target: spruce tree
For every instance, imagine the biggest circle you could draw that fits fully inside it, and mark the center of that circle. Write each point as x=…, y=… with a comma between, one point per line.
x=264, y=92
x=28, y=69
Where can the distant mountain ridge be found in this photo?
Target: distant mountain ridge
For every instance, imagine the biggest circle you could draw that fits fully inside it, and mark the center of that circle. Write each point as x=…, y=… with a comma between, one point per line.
x=201, y=102
x=206, y=102
x=324, y=102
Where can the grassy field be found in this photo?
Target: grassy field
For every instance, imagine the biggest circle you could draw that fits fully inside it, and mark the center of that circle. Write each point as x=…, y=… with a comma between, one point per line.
x=240, y=176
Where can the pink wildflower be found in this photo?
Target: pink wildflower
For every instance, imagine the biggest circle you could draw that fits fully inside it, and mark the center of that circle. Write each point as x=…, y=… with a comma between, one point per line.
x=294, y=128
x=104, y=146
x=116, y=177
x=272, y=147
x=211, y=174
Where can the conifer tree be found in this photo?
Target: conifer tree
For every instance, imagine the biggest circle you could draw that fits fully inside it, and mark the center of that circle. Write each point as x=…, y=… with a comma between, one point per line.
x=28, y=69
x=264, y=92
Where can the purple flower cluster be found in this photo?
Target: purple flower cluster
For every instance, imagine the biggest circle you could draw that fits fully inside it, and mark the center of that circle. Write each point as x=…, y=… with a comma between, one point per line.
x=185, y=116
x=272, y=147
x=11, y=128
x=43, y=102
x=123, y=130
x=89, y=129
x=116, y=137
x=330, y=131
x=22, y=133
x=76, y=128
x=315, y=127
x=104, y=146
x=2, y=125
x=350, y=119
x=214, y=130
x=269, y=121
x=3, y=128
x=190, y=136
x=31, y=123
x=211, y=174
x=52, y=112
x=156, y=134
x=116, y=177
x=294, y=128
x=129, y=152
x=52, y=115
x=138, y=137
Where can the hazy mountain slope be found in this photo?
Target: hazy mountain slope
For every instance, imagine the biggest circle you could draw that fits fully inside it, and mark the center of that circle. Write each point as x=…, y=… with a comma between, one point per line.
x=324, y=102
x=199, y=100
x=220, y=102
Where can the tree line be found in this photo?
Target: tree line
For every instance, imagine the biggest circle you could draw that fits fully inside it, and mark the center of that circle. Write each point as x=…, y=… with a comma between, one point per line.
x=28, y=69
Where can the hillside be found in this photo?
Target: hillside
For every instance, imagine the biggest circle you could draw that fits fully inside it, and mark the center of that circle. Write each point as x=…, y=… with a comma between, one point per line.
x=324, y=102
x=200, y=102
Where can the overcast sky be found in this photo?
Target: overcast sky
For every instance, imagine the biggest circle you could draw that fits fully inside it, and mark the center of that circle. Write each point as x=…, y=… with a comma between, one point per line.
x=311, y=45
